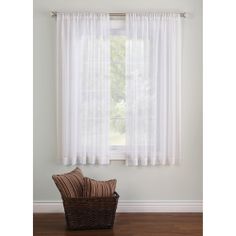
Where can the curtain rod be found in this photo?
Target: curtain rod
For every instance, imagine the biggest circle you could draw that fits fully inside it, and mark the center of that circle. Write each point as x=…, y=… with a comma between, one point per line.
x=54, y=14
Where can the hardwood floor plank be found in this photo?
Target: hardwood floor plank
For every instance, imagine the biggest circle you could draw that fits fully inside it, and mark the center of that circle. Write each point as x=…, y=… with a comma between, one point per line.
x=127, y=224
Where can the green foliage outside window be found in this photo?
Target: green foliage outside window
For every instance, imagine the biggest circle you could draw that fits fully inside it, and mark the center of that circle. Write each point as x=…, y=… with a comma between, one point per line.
x=118, y=105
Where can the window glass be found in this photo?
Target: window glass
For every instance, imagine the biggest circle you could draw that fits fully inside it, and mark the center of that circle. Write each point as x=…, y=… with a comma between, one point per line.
x=118, y=104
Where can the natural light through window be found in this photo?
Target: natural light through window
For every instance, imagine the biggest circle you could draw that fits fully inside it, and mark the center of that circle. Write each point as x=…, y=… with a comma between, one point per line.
x=118, y=104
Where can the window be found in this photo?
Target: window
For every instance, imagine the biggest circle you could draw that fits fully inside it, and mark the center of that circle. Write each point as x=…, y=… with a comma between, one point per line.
x=117, y=121
x=117, y=83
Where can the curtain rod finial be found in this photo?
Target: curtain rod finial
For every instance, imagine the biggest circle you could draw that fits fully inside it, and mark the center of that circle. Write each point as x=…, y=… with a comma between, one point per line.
x=184, y=14
x=53, y=13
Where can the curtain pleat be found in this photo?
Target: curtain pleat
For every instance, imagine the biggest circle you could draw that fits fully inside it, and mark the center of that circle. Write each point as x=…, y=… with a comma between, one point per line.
x=153, y=88
x=83, y=89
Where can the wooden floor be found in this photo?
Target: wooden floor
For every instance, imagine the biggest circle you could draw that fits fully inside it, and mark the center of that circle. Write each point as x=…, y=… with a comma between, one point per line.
x=127, y=224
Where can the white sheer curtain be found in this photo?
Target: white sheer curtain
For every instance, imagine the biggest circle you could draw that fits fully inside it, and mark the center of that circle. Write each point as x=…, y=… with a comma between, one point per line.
x=153, y=88
x=83, y=52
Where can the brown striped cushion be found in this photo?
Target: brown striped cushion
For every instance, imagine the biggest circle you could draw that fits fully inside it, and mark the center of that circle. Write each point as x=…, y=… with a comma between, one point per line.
x=93, y=188
x=70, y=184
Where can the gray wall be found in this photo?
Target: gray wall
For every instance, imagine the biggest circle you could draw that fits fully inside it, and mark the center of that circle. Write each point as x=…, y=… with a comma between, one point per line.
x=182, y=182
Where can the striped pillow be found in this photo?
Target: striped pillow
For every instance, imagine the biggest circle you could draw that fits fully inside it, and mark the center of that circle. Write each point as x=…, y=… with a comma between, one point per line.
x=94, y=188
x=70, y=184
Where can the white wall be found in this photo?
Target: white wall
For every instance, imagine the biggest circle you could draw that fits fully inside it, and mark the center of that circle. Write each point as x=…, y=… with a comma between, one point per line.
x=182, y=182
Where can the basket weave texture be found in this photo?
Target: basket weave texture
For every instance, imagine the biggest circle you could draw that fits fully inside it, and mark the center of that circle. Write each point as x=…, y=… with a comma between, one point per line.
x=90, y=213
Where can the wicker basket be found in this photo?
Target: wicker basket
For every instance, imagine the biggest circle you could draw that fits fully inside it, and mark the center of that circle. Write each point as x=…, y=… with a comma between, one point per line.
x=90, y=213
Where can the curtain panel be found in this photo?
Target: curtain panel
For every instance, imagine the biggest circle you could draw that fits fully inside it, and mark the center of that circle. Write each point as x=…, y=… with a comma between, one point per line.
x=153, y=88
x=83, y=89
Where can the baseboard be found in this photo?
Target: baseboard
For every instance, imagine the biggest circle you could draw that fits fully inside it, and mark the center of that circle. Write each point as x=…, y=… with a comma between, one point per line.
x=131, y=206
